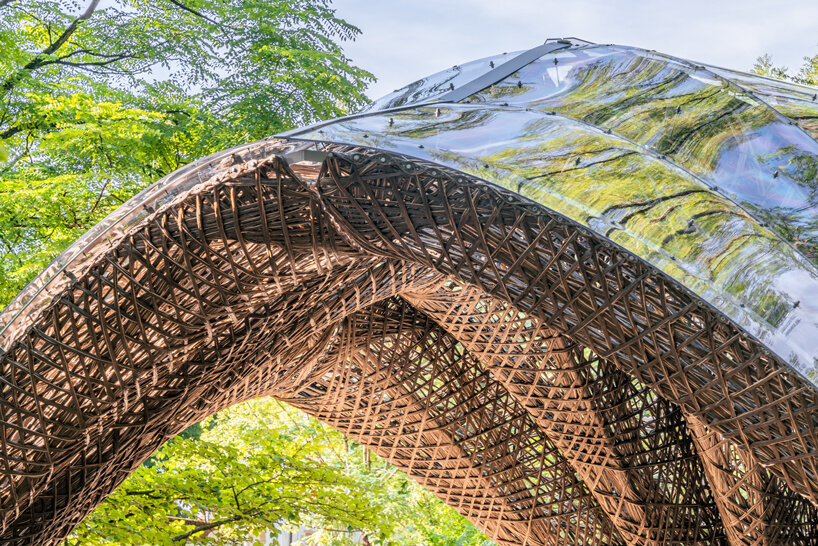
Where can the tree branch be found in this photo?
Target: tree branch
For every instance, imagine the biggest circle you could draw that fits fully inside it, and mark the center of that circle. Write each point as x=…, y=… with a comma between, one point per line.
x=206, y=527
x=90, y=63
x=194, y=12
x=10, y=132
x=39, y=59
x=141, y=492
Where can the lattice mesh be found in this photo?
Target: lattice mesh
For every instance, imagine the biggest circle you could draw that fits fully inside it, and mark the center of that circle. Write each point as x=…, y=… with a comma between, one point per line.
x=545, y=384
x=630, y=446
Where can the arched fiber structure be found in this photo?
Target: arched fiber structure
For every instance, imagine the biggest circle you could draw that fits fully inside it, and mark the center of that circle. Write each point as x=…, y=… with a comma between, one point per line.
x=568, y=290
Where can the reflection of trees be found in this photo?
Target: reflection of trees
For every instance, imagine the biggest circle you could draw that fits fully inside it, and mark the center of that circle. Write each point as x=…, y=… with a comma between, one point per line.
x=424, y=124
x=799, y=229
x=795, y=102
x=804, y=113
x=587, y=174
x=579, y=166
x=644, y=206
x=800, y=167
x=653, y=200
x=659, y=104
x=797, y=225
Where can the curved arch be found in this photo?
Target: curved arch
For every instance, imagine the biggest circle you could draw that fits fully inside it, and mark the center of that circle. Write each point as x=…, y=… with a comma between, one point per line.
x=545, y=383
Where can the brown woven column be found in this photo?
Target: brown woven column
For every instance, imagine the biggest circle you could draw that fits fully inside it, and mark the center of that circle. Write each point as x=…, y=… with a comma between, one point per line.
x=756, y=507
x=627, y=444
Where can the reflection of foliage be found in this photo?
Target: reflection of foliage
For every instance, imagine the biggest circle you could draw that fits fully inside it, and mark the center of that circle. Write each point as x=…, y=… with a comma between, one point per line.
x=693, y=117
x=660, y=105
x=587, y=174
x=800, y=166
x=798, y=103
x=641, y=147
x=803, y=168
x=799, y=226
x=447, y=120
x=688, y=114
x=655, y=103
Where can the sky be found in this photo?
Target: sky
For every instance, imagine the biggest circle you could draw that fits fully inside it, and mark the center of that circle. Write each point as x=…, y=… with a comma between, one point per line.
x=405, y=40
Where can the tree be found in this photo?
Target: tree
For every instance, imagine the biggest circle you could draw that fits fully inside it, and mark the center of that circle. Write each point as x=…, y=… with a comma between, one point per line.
x=807, y=74
x=98, y=102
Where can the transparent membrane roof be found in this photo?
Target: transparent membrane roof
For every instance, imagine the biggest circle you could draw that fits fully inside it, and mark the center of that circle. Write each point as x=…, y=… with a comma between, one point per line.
x=709, y=174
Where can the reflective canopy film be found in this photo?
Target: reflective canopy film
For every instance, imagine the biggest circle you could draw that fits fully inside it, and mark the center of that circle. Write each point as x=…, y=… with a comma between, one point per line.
x=708, y=174
x=438, y=84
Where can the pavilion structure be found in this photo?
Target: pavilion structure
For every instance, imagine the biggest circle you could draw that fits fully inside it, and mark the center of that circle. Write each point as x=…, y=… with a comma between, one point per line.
x=569, y=290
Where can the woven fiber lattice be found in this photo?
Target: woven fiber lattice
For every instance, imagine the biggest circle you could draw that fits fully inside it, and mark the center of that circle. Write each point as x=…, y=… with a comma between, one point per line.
x=548, y=386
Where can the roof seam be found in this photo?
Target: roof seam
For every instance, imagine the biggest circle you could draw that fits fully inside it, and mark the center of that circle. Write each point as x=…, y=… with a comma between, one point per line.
x=501, y=72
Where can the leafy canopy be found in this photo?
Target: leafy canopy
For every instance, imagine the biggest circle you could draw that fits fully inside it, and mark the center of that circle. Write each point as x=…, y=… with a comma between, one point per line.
x=98, y=99
x=262, y=466
x=806, y=75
